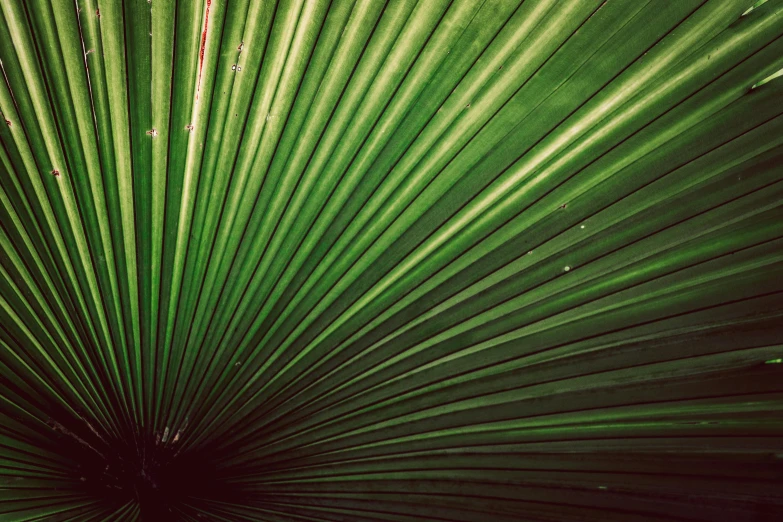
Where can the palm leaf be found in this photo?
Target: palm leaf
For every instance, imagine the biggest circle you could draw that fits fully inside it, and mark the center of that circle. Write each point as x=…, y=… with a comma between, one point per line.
x=408, y=260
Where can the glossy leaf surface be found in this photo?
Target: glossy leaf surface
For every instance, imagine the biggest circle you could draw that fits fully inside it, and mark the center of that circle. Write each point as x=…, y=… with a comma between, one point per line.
x=365, y=260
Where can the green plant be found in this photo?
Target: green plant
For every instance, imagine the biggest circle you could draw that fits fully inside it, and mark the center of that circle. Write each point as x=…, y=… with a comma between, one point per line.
x=310, y=260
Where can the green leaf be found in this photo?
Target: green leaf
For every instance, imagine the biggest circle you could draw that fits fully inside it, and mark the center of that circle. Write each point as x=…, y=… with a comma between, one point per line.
x=391, y=260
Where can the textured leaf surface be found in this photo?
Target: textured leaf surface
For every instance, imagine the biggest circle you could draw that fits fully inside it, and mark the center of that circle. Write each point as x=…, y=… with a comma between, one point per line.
x=335, y=260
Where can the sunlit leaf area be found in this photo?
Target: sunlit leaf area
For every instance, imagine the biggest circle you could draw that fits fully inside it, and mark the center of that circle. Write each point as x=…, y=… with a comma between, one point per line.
x=391, y=260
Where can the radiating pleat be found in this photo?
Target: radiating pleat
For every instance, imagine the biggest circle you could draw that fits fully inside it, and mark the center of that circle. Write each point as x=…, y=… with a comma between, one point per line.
x=336, y=260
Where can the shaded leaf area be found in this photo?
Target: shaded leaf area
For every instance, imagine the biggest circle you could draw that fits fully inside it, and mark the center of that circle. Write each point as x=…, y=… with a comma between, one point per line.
x=356, y=260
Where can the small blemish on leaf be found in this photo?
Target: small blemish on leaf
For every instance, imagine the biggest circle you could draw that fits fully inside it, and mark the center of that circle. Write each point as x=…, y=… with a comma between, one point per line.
x=566, y=268
x=8, y=122
x=56, y=173
x=202, y=47
x=153, y=132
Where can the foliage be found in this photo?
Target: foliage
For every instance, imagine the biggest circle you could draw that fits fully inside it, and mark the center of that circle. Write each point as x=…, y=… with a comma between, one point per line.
x=475, y=260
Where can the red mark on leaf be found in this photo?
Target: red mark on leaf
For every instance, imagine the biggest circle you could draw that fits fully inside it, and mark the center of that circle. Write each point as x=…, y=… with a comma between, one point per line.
x=8, y=122
x=56, y=173
x=203, y=44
